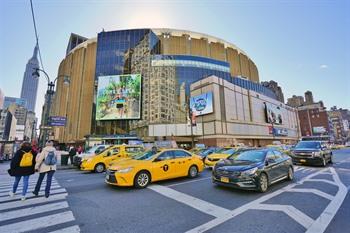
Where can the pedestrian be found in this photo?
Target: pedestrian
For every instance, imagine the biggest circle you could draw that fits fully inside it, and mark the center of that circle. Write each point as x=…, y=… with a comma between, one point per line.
x=72, y=152
x=46, y=165
x=80, y=149
x=22, y=166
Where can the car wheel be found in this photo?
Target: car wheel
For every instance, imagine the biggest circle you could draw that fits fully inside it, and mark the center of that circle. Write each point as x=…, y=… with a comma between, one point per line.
x=262, y=183
x=324, y=162
x=193, y=171
x=142, y=179
x=290, y=174
x=100, y=167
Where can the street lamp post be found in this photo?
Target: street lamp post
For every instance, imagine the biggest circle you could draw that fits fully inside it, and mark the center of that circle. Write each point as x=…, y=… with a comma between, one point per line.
x=49, y=93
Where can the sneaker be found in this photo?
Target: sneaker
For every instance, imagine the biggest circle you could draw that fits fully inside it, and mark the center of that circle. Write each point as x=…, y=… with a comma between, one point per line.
x=11, y=194
x=23, y=198
x=35, y=194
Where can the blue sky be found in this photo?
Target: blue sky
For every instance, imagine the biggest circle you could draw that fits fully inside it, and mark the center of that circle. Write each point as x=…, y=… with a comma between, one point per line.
x=303, y=45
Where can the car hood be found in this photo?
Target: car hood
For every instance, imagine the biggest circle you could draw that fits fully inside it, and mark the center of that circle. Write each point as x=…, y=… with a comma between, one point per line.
x=218, y=156
x=126, y=163
x=232, y=165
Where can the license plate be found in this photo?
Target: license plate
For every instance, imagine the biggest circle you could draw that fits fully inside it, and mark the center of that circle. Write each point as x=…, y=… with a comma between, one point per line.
x=303, y=161
x=224, y=179
x=107, y=177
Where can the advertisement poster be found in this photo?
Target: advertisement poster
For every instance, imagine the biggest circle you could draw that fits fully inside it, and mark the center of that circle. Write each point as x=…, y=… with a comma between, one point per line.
x=319, y=130
x=202, y=104
x=118, y=97
x=273, y=114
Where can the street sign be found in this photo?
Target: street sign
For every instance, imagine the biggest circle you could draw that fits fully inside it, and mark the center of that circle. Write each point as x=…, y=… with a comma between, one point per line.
x=57, y=121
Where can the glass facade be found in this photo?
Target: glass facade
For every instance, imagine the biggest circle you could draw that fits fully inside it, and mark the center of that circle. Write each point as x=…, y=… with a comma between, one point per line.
x=190, y=69
x=113, y=57
x=112, y=48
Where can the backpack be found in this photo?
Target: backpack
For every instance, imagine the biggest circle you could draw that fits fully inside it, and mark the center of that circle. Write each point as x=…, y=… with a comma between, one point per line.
x=50, y=159
x=27, y=159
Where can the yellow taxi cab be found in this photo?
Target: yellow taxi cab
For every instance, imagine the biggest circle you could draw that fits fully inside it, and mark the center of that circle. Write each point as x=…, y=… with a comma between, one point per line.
x=224, y=153
x=99, y=162
x=154, y=166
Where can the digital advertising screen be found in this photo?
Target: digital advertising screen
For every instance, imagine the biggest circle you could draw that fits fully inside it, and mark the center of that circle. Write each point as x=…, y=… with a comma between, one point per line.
x=119, y=97
x=202, y=104
x=273, y=114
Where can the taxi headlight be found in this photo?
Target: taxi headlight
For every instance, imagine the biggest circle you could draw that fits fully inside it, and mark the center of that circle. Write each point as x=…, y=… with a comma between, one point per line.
x=125, y=170
x=250, y=171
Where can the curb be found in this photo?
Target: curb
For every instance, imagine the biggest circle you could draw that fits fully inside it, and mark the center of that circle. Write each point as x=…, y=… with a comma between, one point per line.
x=66, y=167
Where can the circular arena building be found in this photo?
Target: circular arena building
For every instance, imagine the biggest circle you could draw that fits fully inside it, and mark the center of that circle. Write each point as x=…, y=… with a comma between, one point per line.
x=136, y=84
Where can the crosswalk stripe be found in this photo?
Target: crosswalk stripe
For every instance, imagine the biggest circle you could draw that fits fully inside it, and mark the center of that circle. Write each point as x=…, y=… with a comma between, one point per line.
x=14, y=204
x=38, y=223
x=31, y=180
x=29, y=187
x=8, y=198
x=21, y=184
x=10, y=183
x=72, y=229
x=32, y=210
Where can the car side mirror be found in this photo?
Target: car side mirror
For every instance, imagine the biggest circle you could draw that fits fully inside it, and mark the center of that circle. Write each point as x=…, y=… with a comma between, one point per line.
x=97, y=151
x=269, y=161
x=108, y=153
x=157, y=160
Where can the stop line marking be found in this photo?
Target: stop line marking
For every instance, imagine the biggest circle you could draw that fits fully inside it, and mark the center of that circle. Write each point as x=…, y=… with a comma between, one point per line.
x=196, y=203
x=290, y=210
x=313, y=226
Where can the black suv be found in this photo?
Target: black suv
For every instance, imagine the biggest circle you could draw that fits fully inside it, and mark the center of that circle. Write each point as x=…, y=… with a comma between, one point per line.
x=312, y=152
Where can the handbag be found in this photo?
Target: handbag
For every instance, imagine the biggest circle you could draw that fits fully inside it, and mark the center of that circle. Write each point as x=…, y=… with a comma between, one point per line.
x=10, y=172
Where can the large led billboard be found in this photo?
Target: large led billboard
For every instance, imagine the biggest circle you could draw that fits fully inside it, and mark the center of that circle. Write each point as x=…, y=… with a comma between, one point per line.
x=273, y=114
x=118, y=97
x=202, y=104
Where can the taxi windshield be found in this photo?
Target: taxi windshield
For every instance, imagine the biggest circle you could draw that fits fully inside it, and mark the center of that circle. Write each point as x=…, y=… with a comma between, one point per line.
x=228, y=151
x=103, y=150
x=145, y=155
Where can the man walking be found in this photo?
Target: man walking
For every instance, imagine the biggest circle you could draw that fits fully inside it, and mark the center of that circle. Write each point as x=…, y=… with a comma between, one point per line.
x=46, y=165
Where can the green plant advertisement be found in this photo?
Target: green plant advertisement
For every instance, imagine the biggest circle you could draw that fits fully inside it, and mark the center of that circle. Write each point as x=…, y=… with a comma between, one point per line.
x=118, y=97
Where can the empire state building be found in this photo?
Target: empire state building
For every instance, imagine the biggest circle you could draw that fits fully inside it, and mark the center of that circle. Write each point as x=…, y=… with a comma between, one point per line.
x=30, y=83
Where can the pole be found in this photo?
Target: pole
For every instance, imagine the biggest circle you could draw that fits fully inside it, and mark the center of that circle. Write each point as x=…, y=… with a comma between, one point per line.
x=50, y=92
x=191, y=122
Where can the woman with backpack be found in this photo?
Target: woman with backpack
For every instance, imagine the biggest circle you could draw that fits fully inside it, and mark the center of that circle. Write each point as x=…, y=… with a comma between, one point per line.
x=22, y=165
x=46, y=165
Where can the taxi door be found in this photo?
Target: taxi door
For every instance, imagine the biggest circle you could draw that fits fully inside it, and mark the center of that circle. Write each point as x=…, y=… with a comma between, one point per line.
x=183, y=161
x=163, y=167
x=112, y=154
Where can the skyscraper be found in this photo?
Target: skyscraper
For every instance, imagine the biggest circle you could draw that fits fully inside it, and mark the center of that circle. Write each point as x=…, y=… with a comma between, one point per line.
x=30, y=83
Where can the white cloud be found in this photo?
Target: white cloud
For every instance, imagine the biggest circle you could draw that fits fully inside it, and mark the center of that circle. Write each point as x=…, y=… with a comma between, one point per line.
x=323, y=66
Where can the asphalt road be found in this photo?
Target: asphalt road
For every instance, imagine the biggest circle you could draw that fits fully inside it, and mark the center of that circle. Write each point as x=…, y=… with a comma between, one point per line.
x=317, y=200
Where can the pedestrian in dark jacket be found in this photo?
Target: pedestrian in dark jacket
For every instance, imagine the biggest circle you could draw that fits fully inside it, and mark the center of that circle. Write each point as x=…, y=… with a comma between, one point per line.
x=72, y=152
x=22, y=165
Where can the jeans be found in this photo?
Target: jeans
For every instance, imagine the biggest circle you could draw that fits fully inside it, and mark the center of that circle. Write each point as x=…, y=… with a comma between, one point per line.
x=25, y=184
x=48, y=182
